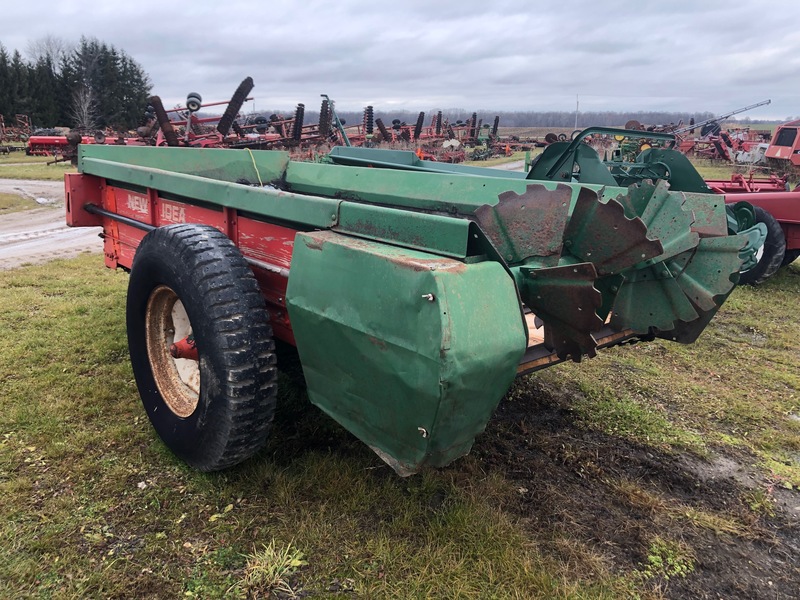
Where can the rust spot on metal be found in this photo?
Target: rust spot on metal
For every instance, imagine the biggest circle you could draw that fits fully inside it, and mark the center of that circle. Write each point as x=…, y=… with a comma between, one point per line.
x=178, y=381
x=395, y=255
x=370, y=229
x=377, y=342
x=539, y=356
x=566, y=300
x=601, y=233
x=427, y=264
x=314, y=243
x=528, y=224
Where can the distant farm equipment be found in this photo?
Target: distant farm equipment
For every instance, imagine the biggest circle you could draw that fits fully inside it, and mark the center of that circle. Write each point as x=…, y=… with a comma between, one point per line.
x=784, y=147
x=742, y=145
x=18, y=132
x=9, y=135
x=439, y=140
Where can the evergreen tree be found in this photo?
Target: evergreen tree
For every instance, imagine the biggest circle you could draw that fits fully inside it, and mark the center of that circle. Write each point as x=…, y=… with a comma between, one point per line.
x=5, y=85
x=93, y=79
x=113, y=80
x=43, y=85
x=18, y=84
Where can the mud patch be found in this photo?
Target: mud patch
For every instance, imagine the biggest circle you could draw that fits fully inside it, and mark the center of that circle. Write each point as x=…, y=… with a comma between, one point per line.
x=581, y=488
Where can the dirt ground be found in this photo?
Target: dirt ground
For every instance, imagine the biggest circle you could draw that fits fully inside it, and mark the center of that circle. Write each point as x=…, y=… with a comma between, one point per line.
x=615, y=497
x=41, y=234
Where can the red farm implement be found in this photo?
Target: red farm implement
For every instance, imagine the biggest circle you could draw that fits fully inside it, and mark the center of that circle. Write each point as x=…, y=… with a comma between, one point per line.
x=784, y=148
x=18, y=132
x=413, y=294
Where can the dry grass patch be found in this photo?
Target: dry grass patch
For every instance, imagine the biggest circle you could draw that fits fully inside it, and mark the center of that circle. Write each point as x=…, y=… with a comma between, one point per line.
x=10, y=203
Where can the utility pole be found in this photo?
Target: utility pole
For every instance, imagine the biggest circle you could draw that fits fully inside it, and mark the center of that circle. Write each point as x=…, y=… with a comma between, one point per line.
x=577, y=108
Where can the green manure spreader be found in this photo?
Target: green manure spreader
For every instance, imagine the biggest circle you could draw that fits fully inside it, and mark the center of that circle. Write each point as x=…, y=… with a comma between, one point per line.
x=413, y=298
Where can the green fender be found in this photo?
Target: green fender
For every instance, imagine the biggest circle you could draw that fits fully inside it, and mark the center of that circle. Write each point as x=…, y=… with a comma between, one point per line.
x=410, y=351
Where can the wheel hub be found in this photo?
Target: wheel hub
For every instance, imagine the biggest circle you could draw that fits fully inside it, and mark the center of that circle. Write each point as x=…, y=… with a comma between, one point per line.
x=177, y=379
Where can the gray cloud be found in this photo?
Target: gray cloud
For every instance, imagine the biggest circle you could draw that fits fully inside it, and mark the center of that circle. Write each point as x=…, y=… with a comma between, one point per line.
x=713, y=55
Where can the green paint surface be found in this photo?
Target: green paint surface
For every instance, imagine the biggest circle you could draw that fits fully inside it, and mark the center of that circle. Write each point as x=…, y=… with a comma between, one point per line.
x=409, y=351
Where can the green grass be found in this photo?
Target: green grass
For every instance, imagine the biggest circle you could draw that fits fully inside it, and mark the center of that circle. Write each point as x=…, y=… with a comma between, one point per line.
x=95, y=506
x=736, y=386
x=22, y=158
x=38, y=169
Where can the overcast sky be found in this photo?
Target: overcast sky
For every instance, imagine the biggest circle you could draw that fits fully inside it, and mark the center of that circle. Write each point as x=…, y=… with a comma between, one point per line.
x=618, y=55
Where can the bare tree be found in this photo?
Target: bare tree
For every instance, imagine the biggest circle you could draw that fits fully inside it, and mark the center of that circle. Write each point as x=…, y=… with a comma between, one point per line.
x=48, y=47
x=84, y=112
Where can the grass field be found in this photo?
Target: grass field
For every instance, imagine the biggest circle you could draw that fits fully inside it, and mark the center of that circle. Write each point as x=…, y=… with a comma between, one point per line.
x=22, y=158
x=33, y=167
x=618, y=477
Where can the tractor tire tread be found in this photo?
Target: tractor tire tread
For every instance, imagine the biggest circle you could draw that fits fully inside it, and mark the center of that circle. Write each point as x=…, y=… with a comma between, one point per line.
x=239, y=414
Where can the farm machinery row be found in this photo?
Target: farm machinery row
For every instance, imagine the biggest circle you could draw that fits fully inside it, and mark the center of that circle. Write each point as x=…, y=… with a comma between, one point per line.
x=42, y=142
x=707, y=139
x=414, y=291
x=777, y=153
x=187, y=126
x=439, y=140
x=13, y=134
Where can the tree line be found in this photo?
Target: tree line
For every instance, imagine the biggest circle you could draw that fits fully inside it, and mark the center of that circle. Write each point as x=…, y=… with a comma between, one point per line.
x=88, y=85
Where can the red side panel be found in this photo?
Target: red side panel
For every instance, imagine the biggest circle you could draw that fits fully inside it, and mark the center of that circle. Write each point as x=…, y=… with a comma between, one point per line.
x=784, y=206
x=267, y=246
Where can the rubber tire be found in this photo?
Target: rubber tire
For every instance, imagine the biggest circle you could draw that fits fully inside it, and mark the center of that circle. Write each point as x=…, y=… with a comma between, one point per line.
x=194, y=102
x=790, y=257
x=774, y=251
x=231, y=326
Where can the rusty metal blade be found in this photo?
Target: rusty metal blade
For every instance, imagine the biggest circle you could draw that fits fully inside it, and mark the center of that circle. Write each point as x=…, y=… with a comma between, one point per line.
x=567, y=302
x=528, y=225
x=600, y=233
